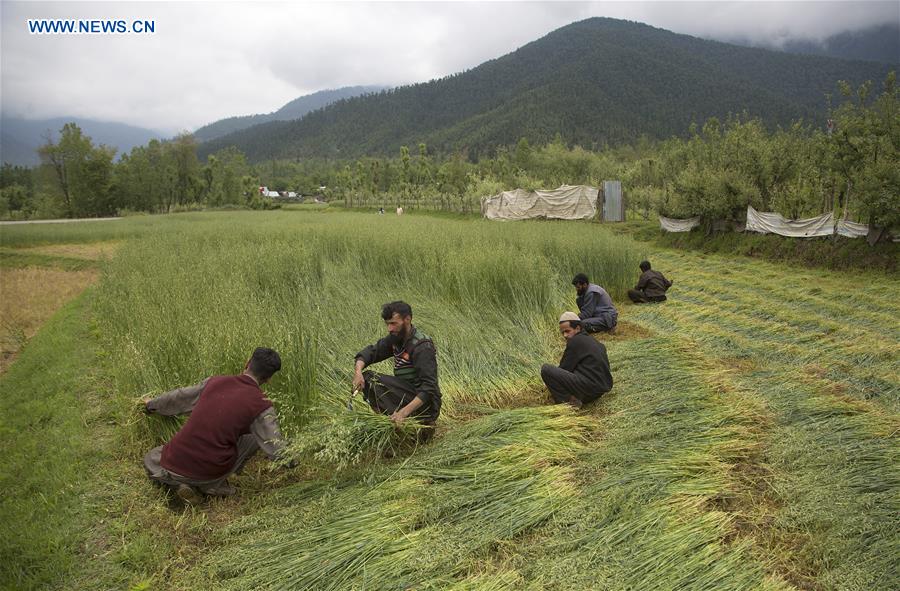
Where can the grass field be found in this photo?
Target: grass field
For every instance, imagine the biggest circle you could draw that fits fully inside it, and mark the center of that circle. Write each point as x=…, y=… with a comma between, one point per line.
x=750, y=441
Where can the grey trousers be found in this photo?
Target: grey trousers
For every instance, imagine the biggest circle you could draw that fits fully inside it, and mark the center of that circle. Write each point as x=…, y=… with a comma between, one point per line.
x=563, y=384
x=603, y=322
x=218, y=487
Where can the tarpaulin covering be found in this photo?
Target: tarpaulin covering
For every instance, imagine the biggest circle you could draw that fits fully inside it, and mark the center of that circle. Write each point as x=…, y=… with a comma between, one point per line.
x=774, y=223
x=565, y=203
x=673, y=225
x=852, y=229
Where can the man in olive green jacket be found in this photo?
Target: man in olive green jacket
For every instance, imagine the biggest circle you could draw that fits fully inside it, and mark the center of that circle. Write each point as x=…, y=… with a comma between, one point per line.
x=413, y=390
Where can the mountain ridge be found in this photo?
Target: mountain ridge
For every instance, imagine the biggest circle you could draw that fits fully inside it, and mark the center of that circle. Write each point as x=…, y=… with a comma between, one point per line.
x=20, y=138
x=595, y=82
x=294, y=109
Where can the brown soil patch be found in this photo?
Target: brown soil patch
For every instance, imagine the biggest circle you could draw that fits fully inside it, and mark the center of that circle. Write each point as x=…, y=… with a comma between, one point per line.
x=625, y=331
x=739, y=364
x=838, y=392
x=815, y=370
x=93, y=251
x=28, y=298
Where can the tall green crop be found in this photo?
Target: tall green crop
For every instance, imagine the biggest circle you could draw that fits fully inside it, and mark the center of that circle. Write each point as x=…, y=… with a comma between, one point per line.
x=180, y=305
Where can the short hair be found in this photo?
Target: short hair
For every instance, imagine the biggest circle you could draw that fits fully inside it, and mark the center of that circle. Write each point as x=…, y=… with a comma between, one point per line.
x=645, y=265
x=399, y=307
x=580, y=278
x=573, y=323
x=264, y=363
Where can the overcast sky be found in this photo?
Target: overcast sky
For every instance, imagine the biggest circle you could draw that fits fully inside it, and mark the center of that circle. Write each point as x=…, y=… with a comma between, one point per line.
x=209, y=60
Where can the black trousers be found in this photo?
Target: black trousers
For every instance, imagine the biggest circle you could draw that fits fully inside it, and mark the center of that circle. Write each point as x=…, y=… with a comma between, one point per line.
x=387, y=394
x=563, y=384
x=638, y=297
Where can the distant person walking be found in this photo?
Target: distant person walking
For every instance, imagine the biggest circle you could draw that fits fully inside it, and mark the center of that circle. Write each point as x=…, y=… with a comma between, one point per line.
x=583, y=374
x=230, y=419
x=651, y=286
x=595, y=307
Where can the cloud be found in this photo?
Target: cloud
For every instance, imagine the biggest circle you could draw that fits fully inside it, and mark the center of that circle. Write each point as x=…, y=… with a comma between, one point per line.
x=768, y=22
x=209, y=60
x=401, y=43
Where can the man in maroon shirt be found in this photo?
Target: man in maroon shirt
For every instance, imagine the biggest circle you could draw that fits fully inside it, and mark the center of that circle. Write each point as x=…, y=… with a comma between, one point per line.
x=230, y=419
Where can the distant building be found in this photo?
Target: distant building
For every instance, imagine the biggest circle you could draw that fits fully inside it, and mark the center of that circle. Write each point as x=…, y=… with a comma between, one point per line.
x=283, y=195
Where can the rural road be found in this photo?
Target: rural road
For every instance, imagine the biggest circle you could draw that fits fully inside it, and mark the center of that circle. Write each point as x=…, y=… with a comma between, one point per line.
x=58, y=221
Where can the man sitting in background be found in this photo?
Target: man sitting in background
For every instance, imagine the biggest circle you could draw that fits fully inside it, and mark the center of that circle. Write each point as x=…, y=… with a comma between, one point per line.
x=583, y=374
x=595, y=307
x=651, y=287
x=231, y=419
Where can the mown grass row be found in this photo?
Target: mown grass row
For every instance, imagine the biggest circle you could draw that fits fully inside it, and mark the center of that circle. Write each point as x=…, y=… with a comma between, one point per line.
x=854, y=345
x=835, y=466
x=422, y=523
x=659, y=487
x=866, y=298
x=828, y=498
x=870, y=365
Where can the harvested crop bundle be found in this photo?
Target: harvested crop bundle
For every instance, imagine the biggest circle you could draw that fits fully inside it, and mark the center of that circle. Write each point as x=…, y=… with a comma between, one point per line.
x=341, y=438
x=422, y=524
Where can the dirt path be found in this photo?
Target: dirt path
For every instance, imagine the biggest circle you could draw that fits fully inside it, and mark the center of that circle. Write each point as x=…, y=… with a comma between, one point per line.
x=65, y=221
x=28, y=298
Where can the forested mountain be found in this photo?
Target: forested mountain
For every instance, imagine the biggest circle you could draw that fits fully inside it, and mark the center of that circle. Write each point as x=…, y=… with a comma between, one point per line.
x=293, y=110
x=20, y=138
x=877, y=44
x=595, y=82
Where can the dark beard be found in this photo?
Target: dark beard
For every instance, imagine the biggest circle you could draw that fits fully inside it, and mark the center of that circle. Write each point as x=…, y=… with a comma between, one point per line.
x=396, y=339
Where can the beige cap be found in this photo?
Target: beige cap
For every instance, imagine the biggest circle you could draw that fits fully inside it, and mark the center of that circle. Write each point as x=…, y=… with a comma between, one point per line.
x=568, y=317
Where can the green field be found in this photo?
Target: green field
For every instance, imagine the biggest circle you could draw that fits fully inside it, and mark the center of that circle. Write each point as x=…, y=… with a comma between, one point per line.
x=750, y=441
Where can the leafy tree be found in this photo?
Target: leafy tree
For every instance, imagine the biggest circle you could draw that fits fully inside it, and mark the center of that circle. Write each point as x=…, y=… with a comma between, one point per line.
x=866, y=142
x=81, y=172
x=182, y=152
x=17, y=190
x=228, y=178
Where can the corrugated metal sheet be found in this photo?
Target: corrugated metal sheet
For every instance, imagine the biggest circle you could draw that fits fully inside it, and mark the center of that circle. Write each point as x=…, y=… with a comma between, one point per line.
x=613, y=204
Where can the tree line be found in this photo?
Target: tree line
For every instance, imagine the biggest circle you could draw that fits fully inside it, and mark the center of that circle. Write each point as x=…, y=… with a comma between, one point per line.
x=714, y=173
x=79, y=179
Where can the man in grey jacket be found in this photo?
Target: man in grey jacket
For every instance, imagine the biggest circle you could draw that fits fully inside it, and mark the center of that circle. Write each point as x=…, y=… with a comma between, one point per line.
x=595, y=307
